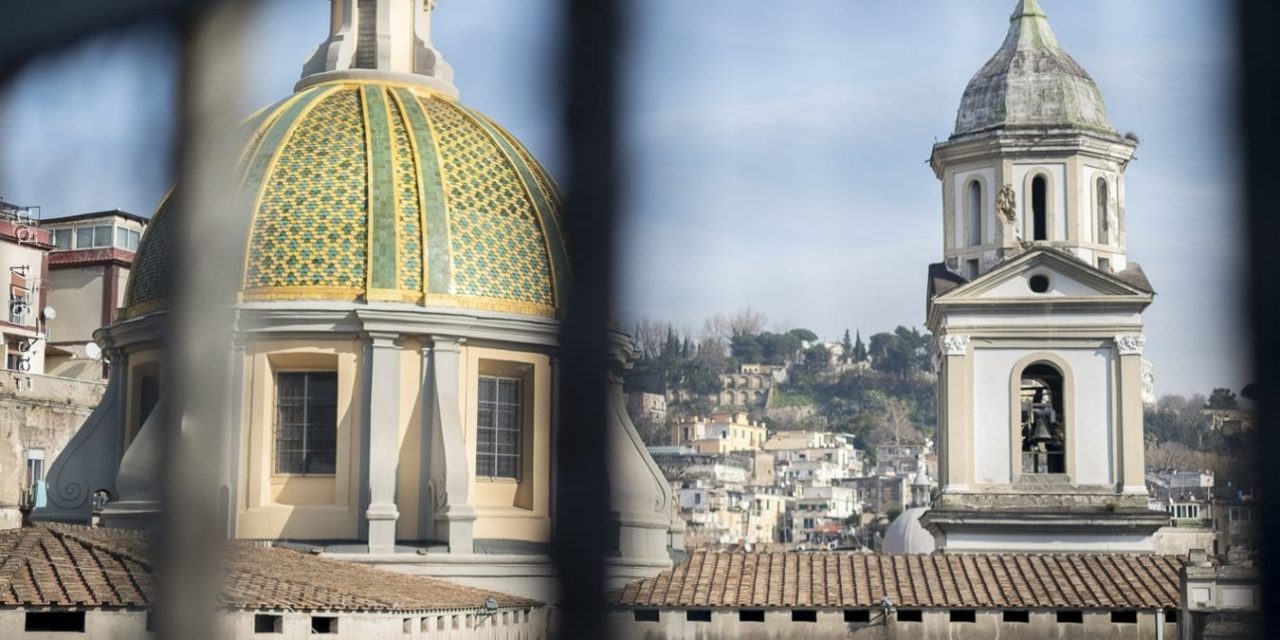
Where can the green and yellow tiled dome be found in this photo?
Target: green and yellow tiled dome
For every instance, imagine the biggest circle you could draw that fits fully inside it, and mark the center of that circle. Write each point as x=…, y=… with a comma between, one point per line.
x=372, y=191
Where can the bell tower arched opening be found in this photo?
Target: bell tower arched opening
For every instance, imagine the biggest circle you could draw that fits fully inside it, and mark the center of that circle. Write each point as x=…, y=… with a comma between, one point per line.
x=1104, y=223
x=1044, y=434
x=974, y=210
x=1039, y=208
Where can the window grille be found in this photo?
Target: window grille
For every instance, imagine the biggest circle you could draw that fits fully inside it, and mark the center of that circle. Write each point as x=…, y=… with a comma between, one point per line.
x=306, y=422
x=498, y=427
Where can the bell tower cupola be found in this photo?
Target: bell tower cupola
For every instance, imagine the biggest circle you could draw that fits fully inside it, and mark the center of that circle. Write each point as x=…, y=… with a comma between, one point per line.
x=1033, y=158
x=384, y=39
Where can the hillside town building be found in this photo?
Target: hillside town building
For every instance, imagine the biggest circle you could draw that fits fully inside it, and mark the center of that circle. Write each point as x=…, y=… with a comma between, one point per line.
x=721, y=432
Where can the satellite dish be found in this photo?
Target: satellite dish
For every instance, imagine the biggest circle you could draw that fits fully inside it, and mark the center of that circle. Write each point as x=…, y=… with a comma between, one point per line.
x=92, y=350
x=49, y=313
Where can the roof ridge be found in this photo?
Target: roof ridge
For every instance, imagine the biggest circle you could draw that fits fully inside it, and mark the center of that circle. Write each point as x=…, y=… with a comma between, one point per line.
x=17, y=557
x=88, y=541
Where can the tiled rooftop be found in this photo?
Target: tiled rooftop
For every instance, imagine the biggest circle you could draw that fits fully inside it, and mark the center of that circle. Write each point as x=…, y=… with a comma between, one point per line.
x=1078, y=581
x=59, y=565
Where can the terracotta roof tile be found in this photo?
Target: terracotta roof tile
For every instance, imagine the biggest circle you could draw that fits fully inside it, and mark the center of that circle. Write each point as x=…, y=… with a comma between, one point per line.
x=1086, y=581
x=60, y=565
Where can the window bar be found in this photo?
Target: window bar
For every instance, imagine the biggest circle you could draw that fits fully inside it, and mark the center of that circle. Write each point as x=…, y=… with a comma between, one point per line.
x=589, y=60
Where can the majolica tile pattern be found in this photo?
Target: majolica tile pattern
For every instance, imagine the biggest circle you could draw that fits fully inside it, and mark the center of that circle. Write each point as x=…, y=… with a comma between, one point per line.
x=496, y=240
x=148, y=284
x=367, y=192
x=1077, y=581
x=51, y=565
x=310, y=224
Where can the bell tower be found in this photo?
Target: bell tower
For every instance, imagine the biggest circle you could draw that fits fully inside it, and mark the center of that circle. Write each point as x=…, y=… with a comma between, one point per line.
x=1036, y=310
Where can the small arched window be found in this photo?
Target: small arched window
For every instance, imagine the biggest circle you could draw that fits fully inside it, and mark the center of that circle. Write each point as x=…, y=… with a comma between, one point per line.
x=1039, y=208
x=1044, y=434
x=973, y=221
x=1104, y=213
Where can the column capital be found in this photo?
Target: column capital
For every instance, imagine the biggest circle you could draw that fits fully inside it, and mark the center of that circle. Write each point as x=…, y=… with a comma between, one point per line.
x=380, y=339
x=954, y=344
x=1130, y=344
x=446, y=345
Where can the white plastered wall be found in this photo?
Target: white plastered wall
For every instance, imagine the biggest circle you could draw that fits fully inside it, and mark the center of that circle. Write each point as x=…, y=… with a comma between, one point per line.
x=959, y=198
x=1093, y=448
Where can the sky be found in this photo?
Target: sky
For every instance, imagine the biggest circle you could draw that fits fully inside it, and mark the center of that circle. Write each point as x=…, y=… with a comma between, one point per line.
x=776, y=153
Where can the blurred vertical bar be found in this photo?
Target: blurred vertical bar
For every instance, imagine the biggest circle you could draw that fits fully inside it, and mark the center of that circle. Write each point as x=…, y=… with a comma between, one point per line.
x=590, y=85
x=201, y=328
x=1258, y=23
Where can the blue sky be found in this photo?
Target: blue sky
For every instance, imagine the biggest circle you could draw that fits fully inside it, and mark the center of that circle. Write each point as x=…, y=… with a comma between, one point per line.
x=776, y=151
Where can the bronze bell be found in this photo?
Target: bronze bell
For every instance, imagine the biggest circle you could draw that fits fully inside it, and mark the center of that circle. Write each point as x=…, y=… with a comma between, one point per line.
x=1041, y=433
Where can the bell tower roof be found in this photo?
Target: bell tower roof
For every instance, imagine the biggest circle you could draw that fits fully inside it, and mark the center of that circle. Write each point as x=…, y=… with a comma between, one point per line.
x=380, y=39
x=1031, y=82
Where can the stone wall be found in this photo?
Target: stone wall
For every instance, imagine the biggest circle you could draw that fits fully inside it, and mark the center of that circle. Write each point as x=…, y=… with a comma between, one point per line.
x=778, y=624
x=521, y=624
x=124, y=624
x=36, y=412
x=131, y=624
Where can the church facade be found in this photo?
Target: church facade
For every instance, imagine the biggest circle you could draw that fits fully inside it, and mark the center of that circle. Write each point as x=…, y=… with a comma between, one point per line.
x=1037, y=314
x=394, y=367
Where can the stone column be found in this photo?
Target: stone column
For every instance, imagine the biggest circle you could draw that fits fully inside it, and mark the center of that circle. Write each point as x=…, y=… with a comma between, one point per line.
x=959, y=433
x=382, y=442
x=1129, y=408
x=453, y=514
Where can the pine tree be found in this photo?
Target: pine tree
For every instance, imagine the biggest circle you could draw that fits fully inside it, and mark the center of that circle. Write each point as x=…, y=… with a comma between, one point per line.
x=859, y=349
x=847, y=345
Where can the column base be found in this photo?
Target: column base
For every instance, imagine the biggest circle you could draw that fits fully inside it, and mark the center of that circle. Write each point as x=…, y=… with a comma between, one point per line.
x=382, y=527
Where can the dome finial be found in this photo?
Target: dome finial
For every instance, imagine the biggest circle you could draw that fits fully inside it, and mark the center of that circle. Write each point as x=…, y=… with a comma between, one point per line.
x=388, y=39
x=1028, y=8
x=1030, y=26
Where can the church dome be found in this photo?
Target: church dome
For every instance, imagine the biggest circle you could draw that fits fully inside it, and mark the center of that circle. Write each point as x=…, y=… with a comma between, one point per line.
x=906, y=535
x=364, y=190
x=1031, y=82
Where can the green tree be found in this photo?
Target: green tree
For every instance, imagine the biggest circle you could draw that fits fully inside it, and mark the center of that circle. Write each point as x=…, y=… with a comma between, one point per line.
x=804, y=335
x=846, y=347
x=859, y=349
x=671, y=347
x=745, y=347
x=1221, y=398
x=779, y=348
x=817, y=360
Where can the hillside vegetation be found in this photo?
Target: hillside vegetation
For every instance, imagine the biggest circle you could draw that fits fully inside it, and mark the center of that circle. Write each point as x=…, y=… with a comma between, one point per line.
x=879, y=390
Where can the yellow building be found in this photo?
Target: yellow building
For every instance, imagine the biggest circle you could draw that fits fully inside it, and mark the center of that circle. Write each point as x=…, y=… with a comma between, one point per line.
x=395, y=358
x=721, y=432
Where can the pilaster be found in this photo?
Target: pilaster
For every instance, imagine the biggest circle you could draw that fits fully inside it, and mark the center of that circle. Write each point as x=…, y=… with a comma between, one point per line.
x=959, y=455
x=1132, y=464
x=381, y=434
x=452, y=511
x=231, y=488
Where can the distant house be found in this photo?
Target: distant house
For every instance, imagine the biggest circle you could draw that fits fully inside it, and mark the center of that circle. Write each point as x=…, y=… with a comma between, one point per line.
x=721, y=432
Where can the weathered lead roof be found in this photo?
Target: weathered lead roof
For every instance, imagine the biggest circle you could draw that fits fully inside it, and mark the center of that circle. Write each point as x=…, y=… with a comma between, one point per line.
x=67, y=566
x=1031, y=82
x=1077, y=581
